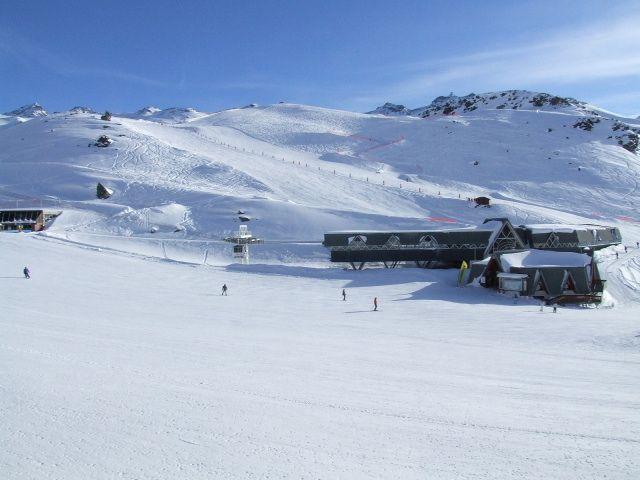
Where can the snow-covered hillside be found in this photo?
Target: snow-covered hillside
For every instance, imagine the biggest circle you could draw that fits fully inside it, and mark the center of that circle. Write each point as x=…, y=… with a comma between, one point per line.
x=299, y=171
x=120, y=358
x=116, y=366
x=28, y=111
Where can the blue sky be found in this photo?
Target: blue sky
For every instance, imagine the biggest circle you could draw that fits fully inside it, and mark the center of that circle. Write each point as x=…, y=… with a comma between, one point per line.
x=121, y=55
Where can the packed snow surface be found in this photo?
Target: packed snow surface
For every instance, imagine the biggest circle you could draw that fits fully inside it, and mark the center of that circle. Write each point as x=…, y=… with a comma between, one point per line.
x=116, y=365
x=120, y=358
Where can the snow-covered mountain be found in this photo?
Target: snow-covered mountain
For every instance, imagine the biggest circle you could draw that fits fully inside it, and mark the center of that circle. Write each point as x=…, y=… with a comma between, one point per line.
x=131, y=364
x=509, y=99
x=82, y=109
x=147, y=111
x=391, y=109
x=299, y=170
x=168, y=115
x=28, y=111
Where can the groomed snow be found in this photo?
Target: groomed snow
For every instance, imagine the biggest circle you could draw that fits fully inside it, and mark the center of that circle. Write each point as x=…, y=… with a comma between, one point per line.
x=119, y=358
x=121, y=366
x=544, y=258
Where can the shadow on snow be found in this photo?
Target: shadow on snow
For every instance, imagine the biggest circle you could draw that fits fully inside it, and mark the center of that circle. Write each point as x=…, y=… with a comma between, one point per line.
x=437, y=285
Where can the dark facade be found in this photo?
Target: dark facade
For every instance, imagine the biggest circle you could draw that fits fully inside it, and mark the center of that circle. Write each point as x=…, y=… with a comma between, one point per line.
x=443, y=246
x=566, y=282
x=451, y=247
x=578, y=238
x=27, y=219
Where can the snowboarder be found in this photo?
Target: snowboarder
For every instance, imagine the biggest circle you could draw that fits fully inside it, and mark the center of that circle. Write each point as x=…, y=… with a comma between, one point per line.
x=375, y=304
x=224, y=289
x=617, y=255
x=625, y=249
x=344, y=295
x=555, y=309
x=26, y=272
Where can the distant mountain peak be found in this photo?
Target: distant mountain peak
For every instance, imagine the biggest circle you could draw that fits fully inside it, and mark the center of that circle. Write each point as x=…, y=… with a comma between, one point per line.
x=391, y=109
x=146, y=111
x=167, y=115
x=82, y=109
x=507, y=99
x=31, y=110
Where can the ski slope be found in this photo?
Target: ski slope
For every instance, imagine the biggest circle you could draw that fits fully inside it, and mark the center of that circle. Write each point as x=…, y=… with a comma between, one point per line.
x=119, y=358
x=299, y=171
x=119, y=365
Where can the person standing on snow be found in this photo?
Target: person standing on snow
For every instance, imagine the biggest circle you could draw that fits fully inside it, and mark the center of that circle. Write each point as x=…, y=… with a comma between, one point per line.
x=375, y=304
x=344, y=295
x=26, y=272
x=224, y=289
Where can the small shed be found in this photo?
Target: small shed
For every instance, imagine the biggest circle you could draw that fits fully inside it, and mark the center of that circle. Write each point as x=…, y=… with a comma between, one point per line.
x=557, y=276
x=554, y=274
x=103, y=192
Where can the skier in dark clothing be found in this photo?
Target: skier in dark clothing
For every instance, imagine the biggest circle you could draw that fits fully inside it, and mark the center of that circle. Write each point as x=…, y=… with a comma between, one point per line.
x=344, y=295
x=224, y=289
x=26, y=272
x=375, y=304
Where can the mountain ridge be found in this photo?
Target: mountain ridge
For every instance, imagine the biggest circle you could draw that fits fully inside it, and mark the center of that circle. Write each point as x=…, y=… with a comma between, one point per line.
x=300, y=170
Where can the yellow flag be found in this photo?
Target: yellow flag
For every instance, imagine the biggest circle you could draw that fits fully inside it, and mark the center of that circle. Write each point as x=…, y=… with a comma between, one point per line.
x=463, y=268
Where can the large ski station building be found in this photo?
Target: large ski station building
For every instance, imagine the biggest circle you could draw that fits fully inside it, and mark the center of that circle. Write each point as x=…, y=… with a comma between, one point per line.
x=559, y=258
x=452, y=246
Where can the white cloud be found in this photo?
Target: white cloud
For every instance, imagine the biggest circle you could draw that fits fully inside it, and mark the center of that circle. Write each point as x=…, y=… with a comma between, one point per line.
x=590, y=53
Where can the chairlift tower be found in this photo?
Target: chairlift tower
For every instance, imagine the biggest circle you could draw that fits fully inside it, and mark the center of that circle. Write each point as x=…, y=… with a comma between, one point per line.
x=241, y=241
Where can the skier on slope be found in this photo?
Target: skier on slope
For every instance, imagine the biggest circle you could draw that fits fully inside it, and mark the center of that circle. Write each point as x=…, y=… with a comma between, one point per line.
x=26, y=272
x=344, y=295
x=375, y=304
x=224, y=289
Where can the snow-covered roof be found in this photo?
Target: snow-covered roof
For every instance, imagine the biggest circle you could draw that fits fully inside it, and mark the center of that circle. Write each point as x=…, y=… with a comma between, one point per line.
x=426, y=230
x=560, y=227
x=543, y=258
x=494, y=226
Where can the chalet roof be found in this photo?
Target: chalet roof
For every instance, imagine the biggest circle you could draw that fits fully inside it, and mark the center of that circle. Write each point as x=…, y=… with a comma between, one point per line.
x=543, y=258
